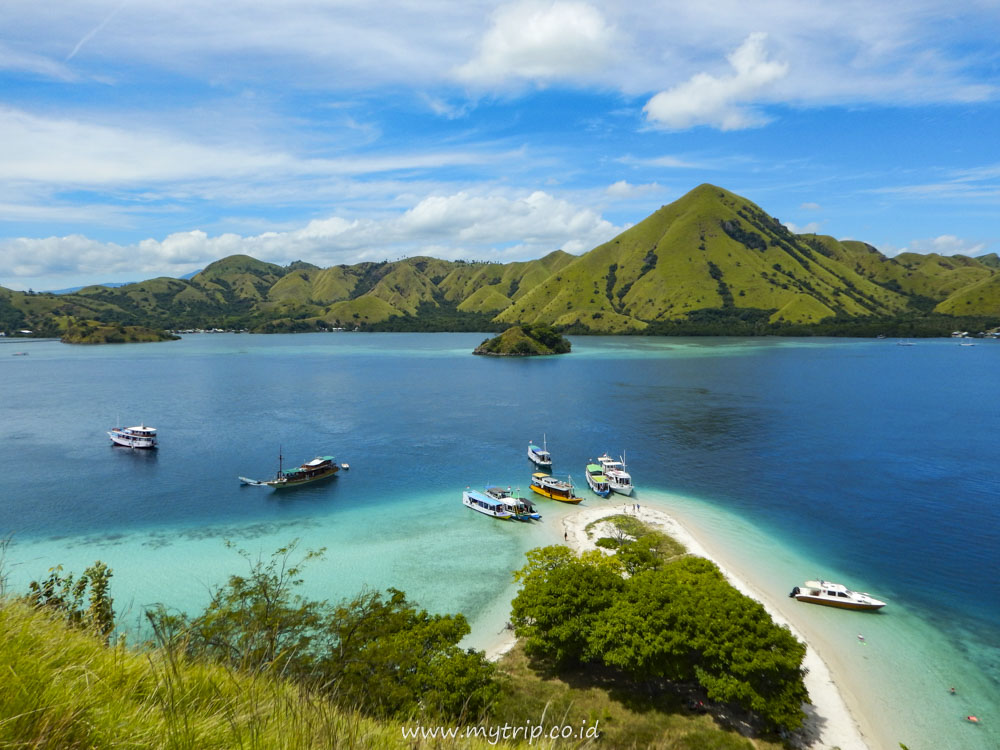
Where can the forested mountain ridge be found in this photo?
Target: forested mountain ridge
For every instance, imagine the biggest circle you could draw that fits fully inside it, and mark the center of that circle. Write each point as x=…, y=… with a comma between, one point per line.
x=711, y=254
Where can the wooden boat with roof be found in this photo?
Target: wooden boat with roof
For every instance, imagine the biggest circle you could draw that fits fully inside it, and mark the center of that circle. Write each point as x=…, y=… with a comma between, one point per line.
x=614, y=469
x=320, y=467
x=488, y=505
x=596, y=479
x=523, y=510
x=556, y=489
x=540, y=456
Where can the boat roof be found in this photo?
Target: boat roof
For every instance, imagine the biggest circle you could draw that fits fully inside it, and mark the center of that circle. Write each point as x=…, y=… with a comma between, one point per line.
x=594, y=467
x=484, y=498
x=318, y=460
x=826, y=585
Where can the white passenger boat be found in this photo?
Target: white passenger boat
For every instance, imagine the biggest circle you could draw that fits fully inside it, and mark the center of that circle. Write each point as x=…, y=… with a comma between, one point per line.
x=540, y=456
x=487, y=505
x=596, y=479
x=523, y=510
x=614, y=469
x=835, y=595
x=133, y=437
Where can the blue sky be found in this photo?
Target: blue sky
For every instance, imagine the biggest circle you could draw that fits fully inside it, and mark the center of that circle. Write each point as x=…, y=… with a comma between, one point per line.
x=140, y=139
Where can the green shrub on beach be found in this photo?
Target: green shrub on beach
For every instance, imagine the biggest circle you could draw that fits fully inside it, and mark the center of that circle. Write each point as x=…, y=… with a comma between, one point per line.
x=668, y=622
x=374, y=652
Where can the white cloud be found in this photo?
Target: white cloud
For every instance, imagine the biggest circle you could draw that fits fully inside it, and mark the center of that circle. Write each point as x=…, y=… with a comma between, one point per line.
x=542, y=41
x=812, y=227
x=623, y=189
x=945, y=244
x=724, y=102
x=810, y=206
x=460, y=225
x=67, y=152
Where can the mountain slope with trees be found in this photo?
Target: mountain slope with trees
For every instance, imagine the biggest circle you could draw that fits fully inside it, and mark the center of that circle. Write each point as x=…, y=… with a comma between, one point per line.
x=710, y=262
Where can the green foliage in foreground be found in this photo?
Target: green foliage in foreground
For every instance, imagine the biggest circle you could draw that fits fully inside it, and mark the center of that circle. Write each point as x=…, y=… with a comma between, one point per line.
x=63, y=688
x=669, y=622
x=375, y=652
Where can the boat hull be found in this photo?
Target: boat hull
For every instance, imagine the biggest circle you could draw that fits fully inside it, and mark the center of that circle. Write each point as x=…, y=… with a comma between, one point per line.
x=487, y=506
x=282, y=484
x=839, y=604
x=600, y=489
x=140, y=442
x=561, y=498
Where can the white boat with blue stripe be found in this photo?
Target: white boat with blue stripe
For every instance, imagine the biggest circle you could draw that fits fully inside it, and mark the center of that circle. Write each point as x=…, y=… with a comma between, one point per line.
x=487, y=505
x=539, y=456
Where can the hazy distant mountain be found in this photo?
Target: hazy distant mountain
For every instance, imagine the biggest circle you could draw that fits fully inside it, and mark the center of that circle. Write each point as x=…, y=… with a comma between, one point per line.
x=710, y=258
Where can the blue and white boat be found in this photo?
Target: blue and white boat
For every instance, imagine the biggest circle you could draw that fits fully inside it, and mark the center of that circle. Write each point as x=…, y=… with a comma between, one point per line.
x=596, y=479
x=487, y=505
x=523, y=510
x=540, y=456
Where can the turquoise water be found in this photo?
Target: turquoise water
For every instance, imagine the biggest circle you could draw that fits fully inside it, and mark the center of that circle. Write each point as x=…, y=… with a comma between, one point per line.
x=858, y=461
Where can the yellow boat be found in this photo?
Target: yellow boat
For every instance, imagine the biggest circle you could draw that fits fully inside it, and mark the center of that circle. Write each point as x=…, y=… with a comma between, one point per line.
x=557, y=489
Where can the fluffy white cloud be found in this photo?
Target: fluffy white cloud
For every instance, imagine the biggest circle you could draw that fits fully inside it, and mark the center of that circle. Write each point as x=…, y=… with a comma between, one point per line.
x=945, y=244
x=811, y=228
x=542, y=41
x=460, y=225
x=623, y=189
x=723, y=102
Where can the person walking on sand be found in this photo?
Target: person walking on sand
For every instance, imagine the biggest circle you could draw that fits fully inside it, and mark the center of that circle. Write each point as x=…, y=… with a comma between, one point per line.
x=565, y=536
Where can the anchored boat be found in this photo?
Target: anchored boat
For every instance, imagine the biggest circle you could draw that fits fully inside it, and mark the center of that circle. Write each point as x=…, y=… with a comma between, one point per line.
x=619, y=480
x=557, y=489
x=835, y=595
x=133, y=437
x=487, y=505
x=596, y=479
x=540, y=456
x=320, y=467
x=523, y=510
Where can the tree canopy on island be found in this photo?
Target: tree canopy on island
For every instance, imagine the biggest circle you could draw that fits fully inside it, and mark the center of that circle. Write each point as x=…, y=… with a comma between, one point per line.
x=663, y=621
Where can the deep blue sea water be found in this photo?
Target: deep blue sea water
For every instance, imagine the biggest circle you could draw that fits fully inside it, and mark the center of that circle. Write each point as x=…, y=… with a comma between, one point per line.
x=876, y=461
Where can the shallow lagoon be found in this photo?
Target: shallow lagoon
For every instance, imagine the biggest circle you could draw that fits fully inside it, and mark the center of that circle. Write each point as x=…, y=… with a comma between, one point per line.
x=855, y=460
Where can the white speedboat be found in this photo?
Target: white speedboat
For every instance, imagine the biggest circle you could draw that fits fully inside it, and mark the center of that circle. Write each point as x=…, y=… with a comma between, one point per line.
x=835, y=595
x=540, y=456
x=596, y=479
x=487, y=504
x=614, y=469
x=133, y=437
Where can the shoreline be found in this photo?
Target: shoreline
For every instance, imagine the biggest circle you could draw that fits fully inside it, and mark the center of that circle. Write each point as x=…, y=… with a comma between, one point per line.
x=829, y=724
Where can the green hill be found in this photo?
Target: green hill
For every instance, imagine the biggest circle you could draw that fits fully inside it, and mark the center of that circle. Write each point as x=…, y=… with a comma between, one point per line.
x=525, y=341
x=710, y=262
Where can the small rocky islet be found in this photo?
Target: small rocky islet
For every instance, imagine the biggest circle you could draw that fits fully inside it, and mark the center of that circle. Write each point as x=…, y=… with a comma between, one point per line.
x=525, y=341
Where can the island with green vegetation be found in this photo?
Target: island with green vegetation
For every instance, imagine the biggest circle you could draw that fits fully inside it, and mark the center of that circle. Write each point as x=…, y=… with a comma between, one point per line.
x=648, y=646
x=525, y=341
x=710, y=263
x=95, y=332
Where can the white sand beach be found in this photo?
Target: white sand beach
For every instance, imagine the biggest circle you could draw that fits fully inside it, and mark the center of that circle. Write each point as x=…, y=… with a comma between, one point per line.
x=830, y=724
